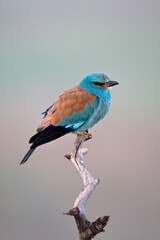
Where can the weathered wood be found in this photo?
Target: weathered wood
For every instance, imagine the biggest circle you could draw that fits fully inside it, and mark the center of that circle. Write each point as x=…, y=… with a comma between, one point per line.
x=87, y=230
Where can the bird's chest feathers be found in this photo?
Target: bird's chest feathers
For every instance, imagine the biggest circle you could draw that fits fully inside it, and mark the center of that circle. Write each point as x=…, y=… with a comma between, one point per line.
x=101, y=110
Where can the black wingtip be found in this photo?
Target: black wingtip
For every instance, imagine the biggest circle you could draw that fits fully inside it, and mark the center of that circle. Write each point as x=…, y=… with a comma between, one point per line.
x=49, y=134
x=34, y=137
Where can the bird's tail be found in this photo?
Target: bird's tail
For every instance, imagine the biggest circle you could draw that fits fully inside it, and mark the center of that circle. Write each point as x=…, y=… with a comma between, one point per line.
x=27, y=156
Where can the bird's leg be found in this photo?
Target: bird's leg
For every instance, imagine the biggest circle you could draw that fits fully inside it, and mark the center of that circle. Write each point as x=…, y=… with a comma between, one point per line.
x=81, y=136
x=85, y=134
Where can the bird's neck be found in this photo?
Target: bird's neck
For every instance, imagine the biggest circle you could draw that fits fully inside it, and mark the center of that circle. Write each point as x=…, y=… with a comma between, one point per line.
x=104, y=93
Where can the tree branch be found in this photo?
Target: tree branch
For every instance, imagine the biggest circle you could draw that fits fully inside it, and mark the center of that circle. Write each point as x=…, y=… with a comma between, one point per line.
x=87, y=230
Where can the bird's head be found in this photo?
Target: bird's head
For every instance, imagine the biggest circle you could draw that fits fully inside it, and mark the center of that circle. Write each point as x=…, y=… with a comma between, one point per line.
x=97, y=83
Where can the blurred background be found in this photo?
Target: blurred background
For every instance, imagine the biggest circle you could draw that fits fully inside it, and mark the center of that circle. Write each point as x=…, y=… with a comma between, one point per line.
x=45, y=48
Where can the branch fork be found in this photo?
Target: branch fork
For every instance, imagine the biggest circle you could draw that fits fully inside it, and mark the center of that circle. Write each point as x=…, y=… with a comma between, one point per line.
x=87, y=230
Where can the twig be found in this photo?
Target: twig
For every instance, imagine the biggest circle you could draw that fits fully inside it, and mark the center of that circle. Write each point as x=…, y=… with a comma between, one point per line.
x=87, y=230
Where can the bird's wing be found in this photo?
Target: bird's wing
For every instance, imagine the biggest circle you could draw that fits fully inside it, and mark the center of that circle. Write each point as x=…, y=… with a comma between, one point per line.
x=72, y=108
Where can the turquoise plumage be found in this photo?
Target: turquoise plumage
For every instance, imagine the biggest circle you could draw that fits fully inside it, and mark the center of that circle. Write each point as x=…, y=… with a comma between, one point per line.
x=76, y=110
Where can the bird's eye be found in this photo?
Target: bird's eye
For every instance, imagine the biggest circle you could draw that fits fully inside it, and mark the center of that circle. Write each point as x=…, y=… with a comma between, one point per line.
x=98, y=83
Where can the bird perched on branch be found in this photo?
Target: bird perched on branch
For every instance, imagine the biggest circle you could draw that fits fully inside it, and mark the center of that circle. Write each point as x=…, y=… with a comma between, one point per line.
x=76, y=110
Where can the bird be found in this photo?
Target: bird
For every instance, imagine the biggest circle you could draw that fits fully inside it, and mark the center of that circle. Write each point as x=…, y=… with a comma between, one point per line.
x=76, y=110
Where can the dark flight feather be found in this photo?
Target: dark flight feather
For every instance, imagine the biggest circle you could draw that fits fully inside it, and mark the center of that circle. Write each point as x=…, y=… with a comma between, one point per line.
x=49, y=134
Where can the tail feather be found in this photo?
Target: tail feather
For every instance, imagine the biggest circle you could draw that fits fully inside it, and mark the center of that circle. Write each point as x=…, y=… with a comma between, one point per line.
x=27, y=156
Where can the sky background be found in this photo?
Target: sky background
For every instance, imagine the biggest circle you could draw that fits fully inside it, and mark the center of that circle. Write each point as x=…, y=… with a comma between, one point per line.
x=47, y=47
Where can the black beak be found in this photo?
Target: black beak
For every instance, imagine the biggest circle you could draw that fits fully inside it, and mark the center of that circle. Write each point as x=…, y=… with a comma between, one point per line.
x=111, y=83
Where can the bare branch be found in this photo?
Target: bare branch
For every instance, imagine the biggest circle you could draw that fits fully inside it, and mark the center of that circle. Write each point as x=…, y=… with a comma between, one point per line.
x=87, y=230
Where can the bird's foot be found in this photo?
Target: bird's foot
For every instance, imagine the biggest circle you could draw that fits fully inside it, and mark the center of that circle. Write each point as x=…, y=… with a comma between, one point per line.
x=86, y=135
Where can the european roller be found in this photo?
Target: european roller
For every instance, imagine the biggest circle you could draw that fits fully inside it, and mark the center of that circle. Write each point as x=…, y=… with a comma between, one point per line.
x=76, y=110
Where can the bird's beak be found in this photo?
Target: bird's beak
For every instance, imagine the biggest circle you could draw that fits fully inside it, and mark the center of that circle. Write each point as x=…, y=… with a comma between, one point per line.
x=111, y=83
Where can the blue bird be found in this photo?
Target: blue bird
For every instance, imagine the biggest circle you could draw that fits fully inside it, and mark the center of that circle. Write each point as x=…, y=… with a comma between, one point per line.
x=76, y=110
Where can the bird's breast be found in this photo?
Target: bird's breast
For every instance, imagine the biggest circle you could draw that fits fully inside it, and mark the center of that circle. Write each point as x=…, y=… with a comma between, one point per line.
x=102, y=109
x=99, y=112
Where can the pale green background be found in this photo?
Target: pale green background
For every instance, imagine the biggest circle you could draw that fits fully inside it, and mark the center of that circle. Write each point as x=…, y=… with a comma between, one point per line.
x=45, y=48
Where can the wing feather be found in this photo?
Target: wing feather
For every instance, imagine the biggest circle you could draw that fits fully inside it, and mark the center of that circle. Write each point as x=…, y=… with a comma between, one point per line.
x=72, y=107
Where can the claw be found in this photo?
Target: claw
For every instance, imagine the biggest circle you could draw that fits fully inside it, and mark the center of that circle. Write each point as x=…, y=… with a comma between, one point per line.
x=86, y=135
